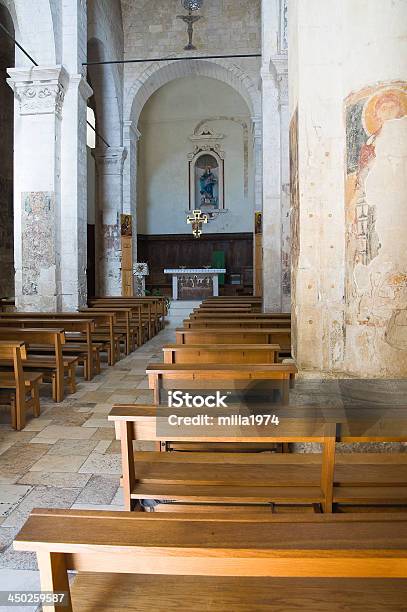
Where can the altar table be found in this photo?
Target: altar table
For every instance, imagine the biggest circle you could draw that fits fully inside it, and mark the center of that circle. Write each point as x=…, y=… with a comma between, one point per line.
x=194, y=283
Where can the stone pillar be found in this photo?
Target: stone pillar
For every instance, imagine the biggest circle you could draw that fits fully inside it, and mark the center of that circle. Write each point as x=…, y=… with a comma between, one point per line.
x=39, y=95
x=275, y=171
x=74, y=158
x=109, y=167
x=74, y=195
x=350, y=221
x=275, y=159
x=131, y=137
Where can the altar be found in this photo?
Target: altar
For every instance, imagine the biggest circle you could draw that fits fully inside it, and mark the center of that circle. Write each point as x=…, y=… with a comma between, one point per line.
x=194, y=283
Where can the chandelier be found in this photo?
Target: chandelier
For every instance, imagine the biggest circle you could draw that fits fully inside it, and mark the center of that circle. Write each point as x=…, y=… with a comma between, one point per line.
x=190, y=19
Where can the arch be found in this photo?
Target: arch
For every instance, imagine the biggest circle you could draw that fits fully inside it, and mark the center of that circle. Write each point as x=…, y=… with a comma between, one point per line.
x=157, y=75
x=34, y=30
x=105, y=94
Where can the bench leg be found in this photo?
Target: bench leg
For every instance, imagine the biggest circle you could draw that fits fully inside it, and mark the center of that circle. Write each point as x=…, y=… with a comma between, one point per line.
x=35, y=395
x=13, y=412
x=54, y=577
x=72, y=378
x=54, y=386
x=20, y=406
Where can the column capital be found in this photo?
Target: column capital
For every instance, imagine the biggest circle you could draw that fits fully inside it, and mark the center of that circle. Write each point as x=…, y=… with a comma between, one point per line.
x=79, y=81
x=279, y=70
x=130, y=130
x=110, y=160
x=40, y=90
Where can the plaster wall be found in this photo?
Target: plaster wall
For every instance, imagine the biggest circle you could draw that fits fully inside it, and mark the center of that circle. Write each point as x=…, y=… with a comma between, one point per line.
x=170, y=117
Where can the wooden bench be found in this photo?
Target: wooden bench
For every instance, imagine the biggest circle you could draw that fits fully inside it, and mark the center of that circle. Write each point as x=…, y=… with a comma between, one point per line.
x=17, y=384
x=57, y=363
x=250, y=377
x=352, y=480
x=224, y=353
x=129, y=322
x=79, y=337
x=151, y=310
x=280, y=336
x=240, y=315
x=235, y=323
x=139, y=562
x=253, y=480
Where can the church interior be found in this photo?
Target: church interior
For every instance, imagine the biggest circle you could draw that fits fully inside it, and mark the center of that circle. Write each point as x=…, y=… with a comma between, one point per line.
x=203, y=305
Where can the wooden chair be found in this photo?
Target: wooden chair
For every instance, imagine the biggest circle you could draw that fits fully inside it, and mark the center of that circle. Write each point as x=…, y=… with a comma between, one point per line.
x=18, y=384
x=138, y=562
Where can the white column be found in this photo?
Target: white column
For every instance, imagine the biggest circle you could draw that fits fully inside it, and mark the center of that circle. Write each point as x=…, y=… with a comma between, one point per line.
x=74, y=158
x=175, y=287
x=109, y=163
x=131, y=137
x=215, y=283
x=74, y=195
x=39, y=95
x=271, y=194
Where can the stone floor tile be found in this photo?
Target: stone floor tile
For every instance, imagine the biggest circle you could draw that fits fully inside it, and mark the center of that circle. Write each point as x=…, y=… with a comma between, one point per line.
x=95, y=422
x=20, y=457
x=65, y=433
x=37, y=424
x=24, y=580
x=118, y=499
x=13, y=492
x=64, y=480
x=73, y=447
x=114, y=447
x=41, y=497
x=104, y=433
x=100, y=489
x=97, y=463
x=103, y=445
x=58, y=463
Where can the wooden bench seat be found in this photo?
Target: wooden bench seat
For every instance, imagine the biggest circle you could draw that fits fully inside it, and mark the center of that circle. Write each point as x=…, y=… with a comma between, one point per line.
x=281, y=336
x=225, y=353
x=17, y=384
x=272, y=562
x=143, y=593
x=219, y=376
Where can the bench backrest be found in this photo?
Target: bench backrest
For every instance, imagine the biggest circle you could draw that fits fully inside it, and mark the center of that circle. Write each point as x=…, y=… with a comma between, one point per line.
x=15, y=352
x=281, y=336
x=221, y=353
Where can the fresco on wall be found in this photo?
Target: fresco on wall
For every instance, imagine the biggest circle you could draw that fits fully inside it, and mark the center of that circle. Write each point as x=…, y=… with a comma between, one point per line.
x=376, y=217
x=38, y=237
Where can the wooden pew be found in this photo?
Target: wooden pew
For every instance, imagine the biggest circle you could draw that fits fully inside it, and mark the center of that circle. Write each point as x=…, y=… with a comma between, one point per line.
x=139, y=562
x=281, y=336
x=82, y=329
x=235, y=323
x=222, y=478
x=225, y=353
x=137, y=321
x=17, y=384
x=57, y=363
x=241, y=315
x=152, y=310
x=218, y=376
x=349, y=481
x=124, y=324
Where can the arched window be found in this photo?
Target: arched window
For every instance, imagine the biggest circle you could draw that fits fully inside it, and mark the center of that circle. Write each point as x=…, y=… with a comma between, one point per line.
x=91, y=136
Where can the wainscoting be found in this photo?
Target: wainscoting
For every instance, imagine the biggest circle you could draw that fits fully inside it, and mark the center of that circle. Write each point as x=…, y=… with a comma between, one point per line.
x=176, y=250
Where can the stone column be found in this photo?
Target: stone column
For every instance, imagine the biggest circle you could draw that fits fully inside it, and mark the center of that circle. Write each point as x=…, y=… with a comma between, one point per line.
x=74, y=158
x=350, y=257
x=74, y=195
x=275, y=170
x=39, y=95
x=131, y=137
x=109, y=167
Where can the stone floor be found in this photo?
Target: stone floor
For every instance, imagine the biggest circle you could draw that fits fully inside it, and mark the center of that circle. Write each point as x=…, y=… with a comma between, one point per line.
x=68, y=457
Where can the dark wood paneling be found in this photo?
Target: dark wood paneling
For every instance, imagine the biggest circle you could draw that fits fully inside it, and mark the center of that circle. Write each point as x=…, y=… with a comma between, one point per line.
x=175, y=250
